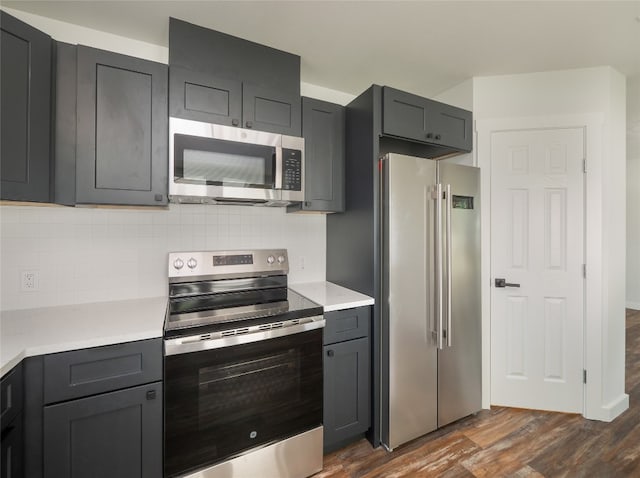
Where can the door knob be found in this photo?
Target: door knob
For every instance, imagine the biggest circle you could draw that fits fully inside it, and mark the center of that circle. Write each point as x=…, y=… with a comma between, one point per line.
x=503, y=283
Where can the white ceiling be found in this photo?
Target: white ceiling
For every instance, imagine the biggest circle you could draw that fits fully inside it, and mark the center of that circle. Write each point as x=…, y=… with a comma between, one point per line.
x=420, y=46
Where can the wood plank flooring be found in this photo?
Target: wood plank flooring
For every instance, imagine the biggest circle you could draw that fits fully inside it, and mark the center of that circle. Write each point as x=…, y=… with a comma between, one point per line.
x=507, y=442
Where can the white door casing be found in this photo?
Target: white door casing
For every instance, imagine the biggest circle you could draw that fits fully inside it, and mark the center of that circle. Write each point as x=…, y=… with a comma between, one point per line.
x=537, y=241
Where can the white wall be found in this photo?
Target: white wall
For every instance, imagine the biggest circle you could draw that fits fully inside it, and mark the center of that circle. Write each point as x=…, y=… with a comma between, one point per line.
x=98, y=254
x=595, y=96
x=633, y=193
x=71, y=33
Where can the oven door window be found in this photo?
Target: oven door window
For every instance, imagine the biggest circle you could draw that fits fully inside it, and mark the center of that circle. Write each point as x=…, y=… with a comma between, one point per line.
x=221, y=402
x=223, y=163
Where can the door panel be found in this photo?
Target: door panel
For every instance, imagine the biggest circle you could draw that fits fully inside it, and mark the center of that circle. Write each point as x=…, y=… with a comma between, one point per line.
x=346, y=390
x=538, y=242
x=408, y=299
x=323, y=132
x=459, y=364
x=107, y=435
x=269, y=110
x=121, y=129
x=203, y=97
x=25, y=116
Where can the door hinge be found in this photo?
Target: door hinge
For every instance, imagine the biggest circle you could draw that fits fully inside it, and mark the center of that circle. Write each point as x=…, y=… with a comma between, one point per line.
x=584, y=165
x=584, y=271
x=584, y=376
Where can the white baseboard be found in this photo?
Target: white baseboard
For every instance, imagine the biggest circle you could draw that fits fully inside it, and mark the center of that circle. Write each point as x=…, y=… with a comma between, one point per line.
x=633, y=305
x=608, y=412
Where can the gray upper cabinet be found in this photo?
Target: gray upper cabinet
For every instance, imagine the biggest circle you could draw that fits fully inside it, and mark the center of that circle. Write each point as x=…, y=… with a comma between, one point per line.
x=122, y=129
x=25, y=84
x=111, y=128
x=221, y=79
x=413, y=117
x=323, y=126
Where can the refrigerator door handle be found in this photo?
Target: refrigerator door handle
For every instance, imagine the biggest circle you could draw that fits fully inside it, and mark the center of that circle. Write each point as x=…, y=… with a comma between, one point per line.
x=449, y=201
x=439, y=285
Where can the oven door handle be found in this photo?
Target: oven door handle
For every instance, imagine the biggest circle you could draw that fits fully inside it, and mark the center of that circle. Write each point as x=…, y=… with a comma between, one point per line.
x=198, y=343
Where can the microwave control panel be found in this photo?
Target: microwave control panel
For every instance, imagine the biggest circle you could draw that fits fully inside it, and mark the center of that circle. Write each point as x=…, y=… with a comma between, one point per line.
x=291, y=169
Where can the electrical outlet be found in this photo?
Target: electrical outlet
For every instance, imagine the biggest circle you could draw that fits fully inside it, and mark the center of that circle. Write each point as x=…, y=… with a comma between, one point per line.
x=30, y=281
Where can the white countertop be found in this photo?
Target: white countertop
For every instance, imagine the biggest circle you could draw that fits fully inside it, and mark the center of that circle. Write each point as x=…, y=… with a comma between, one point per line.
x=29, y=332
x=331, y=296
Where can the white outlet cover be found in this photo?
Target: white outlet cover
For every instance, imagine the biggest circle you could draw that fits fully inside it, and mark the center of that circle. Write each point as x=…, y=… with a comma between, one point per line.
x=29, y=281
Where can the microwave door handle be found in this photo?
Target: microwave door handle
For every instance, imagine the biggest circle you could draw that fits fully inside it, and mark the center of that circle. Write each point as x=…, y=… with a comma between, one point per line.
x=278, y=178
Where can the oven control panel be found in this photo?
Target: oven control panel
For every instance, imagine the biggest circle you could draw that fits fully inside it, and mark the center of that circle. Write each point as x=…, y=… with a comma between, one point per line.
x=228, y=263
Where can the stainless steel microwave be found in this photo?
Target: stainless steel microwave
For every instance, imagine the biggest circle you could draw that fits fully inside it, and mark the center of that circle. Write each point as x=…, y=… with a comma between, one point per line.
x=211, y=163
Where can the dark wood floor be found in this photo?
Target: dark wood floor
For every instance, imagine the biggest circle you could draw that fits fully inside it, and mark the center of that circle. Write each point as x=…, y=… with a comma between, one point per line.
x=513, y=443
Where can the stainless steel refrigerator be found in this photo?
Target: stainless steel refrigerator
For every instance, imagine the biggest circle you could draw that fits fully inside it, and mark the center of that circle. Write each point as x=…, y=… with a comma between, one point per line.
x=430, y=289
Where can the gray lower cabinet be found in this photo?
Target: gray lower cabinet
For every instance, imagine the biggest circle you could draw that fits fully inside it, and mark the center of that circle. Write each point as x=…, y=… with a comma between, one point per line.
x=347, y=376
x=112, y=434
x=111, y=128
x=323, y=126
x=96, y=412
x=11, y=441
x=25, y=123
x=11, y=460
x=413, y=117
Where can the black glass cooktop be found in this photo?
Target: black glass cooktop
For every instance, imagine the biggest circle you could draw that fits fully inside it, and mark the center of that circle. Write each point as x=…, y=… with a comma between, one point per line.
x=204, y=313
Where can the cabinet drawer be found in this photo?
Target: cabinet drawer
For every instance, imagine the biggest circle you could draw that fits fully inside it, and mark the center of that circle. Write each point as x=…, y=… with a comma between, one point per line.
x=11, y=398
x=346, y=324
x=86, y=372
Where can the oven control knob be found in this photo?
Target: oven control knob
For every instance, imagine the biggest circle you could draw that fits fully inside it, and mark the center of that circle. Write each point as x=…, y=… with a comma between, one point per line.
x=271, y=259
x=178, y=264
x=281, y=259
x=192, y=263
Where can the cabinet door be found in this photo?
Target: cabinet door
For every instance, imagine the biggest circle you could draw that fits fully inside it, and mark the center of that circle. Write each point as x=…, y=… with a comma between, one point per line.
x=11, y=395
x=404, y=114
x=450, y=126
x=103, y=436
x=346, y=390
x=203, y=97
x=269, y=110
x=122, y=129
x=25, y=85
x=11, y=459
x=323, y=132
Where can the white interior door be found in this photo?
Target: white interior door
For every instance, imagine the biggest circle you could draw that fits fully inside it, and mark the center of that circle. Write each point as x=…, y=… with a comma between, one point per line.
x=537, y=241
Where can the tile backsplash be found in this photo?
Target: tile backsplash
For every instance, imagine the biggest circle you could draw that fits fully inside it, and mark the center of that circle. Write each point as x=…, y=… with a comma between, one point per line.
x=81, y=255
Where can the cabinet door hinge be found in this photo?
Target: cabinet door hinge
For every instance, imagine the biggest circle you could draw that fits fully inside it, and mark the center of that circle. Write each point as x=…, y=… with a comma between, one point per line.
x=584, y=271
x=584, y=165
x=584, y=376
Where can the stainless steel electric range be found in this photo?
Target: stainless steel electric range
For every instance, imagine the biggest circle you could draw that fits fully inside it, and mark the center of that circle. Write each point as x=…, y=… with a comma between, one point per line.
x=243, y=368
